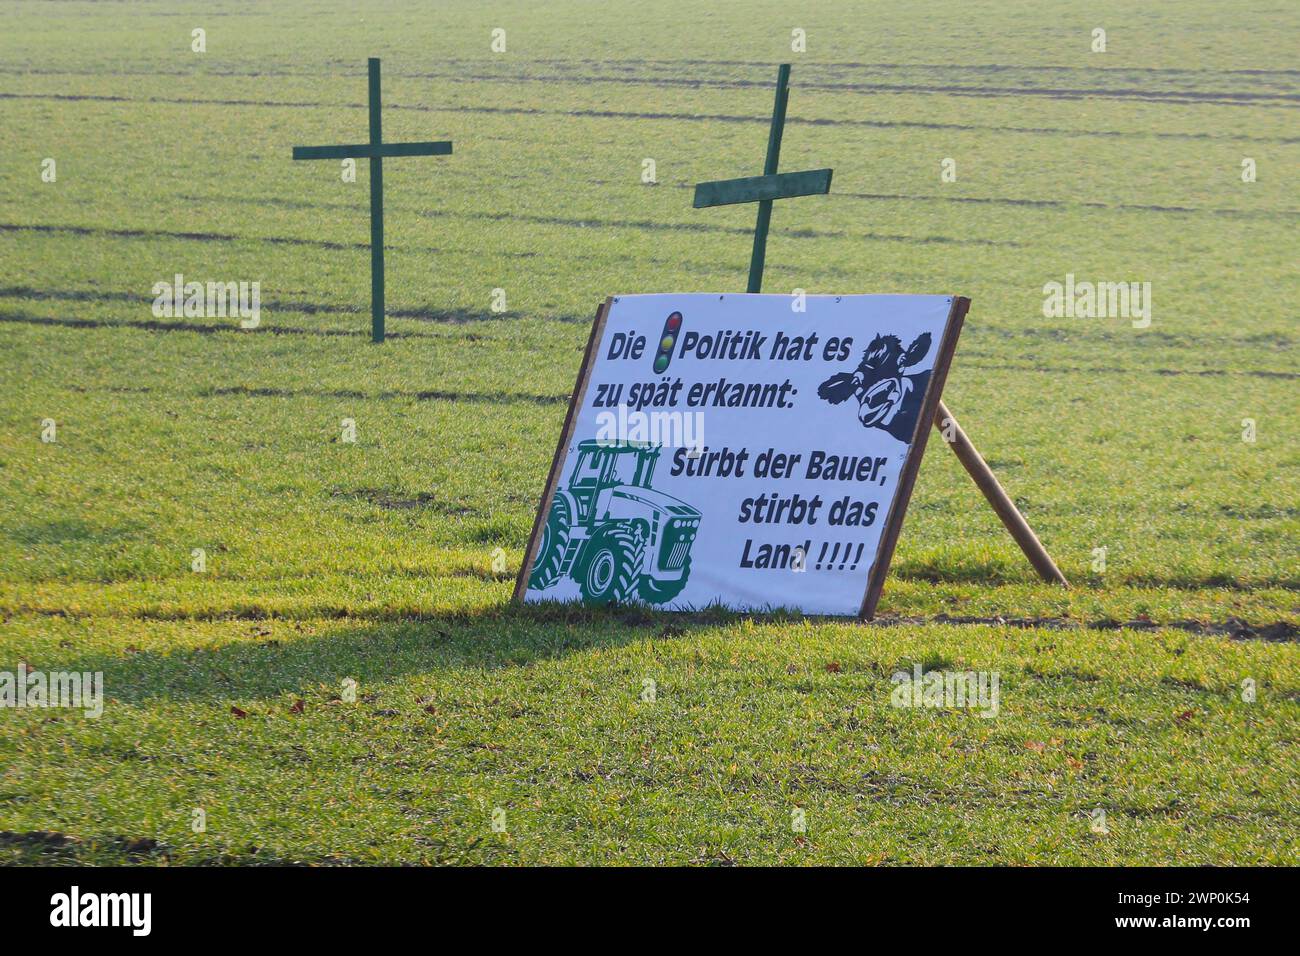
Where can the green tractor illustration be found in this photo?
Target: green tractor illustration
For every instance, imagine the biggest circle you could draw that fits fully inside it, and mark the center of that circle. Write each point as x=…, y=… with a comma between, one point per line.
x=612, y=533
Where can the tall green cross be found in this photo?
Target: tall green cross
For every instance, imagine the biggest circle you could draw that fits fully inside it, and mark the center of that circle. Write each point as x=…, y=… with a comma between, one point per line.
x=375, y=151
x=771, y=185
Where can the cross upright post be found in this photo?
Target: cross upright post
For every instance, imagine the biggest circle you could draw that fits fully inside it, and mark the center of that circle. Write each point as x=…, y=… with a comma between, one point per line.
x=769, y=169
x=376, y=208
x=771, y=185
x=375, y=151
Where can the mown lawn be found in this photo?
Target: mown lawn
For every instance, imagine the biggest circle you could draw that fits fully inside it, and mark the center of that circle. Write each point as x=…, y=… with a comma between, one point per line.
x=380, y=561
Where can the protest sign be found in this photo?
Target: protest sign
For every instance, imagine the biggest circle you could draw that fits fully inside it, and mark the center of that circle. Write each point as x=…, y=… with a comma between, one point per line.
x=749, y=451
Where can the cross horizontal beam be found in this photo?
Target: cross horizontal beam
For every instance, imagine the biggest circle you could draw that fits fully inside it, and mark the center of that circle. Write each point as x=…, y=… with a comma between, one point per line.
x=725, y=192
x=372, y=151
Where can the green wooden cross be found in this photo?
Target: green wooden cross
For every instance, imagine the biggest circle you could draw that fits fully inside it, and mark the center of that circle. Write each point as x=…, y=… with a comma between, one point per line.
x=771, y=185
x=375, y=151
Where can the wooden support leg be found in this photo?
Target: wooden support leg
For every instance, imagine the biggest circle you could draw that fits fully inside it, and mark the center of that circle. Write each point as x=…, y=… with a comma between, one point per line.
x=1005, y=508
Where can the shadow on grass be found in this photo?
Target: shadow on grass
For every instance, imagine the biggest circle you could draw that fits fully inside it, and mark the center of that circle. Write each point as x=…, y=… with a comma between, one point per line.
x=1012, y=568
x=55, y=848
x=300, y=657
x=266, y=654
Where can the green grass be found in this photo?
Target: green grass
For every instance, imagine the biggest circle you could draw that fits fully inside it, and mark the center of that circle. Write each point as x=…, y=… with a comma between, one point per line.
x=374, y=561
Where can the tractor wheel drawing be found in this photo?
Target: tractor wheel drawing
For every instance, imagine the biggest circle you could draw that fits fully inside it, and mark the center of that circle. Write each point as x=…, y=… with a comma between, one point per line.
x=661, y=592
x=555, y=539
x=611, y=533
x=610, y=570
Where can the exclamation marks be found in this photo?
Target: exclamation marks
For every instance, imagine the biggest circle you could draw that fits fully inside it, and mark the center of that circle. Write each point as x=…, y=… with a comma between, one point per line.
x=842, y=558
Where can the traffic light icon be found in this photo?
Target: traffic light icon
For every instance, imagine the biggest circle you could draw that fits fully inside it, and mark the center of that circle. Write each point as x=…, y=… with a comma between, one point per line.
x=666, y=342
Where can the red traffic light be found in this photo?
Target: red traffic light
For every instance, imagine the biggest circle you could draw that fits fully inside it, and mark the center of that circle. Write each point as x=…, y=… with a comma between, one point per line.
x=667, y=341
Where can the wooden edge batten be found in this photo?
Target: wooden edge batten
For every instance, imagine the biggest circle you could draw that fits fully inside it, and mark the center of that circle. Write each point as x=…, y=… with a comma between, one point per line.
x=561, y=449
x=912, y=466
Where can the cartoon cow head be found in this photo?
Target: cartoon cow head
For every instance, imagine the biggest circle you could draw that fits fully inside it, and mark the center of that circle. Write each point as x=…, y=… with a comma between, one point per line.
x=888, y=397
x=884, y=386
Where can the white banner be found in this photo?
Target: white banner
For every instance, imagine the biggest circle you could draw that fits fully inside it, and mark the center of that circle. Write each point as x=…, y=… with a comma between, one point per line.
x=743, y=450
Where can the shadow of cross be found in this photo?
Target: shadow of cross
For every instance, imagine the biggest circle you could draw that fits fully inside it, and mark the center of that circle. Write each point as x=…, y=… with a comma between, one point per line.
x=771, y=185
x=375, y=151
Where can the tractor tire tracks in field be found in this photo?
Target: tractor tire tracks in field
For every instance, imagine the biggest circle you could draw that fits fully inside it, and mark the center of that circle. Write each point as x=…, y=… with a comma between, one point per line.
x=1232, y=628
x=24, y=318
x=638, y=224
x=194, y=236
x=637, y=115
x=448, y=316
x=1276, y=340
x=840, y=79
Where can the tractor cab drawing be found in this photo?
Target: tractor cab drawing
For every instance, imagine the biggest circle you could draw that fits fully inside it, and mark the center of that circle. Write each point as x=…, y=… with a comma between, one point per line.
x=612, y=533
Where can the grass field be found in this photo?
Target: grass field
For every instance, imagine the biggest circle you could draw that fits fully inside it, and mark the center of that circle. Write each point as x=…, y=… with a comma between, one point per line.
x=328, y=560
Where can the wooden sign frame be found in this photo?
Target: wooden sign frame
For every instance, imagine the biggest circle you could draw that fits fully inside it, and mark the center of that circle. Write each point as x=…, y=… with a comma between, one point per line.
x=566, y=436
x=915, y=450
x=907, y=476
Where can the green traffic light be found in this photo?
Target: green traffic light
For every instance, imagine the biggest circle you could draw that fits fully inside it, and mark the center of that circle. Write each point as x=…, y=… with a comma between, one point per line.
x=666, y=342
